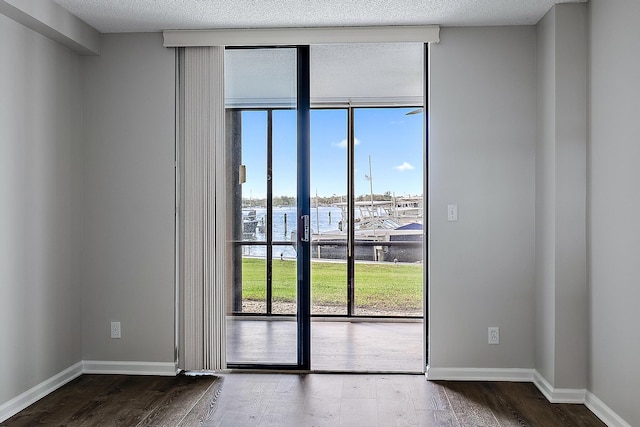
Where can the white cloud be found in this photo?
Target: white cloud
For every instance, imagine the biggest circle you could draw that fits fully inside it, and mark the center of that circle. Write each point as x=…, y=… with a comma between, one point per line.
x=404, y=167
x=343, y=143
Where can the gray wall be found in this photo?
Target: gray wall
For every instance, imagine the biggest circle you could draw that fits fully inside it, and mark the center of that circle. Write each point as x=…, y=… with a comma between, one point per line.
x=482, y=156
x=570, y=191
x=545, y=197
x=40, y=189
x=614, y=203
x=561, y=282
x=116, y=179
x=128, y=206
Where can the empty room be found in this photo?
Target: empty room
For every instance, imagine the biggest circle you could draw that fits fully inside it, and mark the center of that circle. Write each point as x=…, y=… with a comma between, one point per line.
x=417, y=212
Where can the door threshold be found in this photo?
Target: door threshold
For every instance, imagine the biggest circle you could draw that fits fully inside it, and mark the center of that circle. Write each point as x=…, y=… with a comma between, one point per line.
x=368, y=372
x=254, y=370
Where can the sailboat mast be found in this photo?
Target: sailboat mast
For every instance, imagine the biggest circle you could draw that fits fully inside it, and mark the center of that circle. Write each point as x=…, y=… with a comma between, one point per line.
x=317, y=214
x=370, y=182
x=371, y=191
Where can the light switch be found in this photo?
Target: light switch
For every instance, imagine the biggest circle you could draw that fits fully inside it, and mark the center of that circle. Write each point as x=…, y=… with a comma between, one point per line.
x=452, y=212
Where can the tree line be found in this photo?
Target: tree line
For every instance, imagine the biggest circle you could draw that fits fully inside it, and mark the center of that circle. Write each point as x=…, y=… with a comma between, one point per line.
x=320, y=200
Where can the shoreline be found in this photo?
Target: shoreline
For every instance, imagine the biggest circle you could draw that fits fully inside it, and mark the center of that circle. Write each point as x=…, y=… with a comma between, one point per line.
x=335, y=261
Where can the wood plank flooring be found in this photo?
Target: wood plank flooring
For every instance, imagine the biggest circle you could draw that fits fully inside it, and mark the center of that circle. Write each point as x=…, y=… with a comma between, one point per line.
x=386, y=400
x=298, y=400
x=120, y=400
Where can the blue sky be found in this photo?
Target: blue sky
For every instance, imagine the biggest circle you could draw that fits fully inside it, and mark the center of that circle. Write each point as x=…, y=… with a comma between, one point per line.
x=389, y=136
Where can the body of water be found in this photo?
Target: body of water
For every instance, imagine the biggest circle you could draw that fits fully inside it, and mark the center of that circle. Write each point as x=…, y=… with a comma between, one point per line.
x=324, y=219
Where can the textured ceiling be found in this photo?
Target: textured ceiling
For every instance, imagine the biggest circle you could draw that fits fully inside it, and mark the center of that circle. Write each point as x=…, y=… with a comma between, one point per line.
x=113, y=16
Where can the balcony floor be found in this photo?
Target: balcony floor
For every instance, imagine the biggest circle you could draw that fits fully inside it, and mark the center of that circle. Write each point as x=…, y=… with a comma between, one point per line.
x=336, y=345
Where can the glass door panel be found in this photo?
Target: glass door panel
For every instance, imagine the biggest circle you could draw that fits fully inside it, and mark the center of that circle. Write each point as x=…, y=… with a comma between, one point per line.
x=260, y=97
x=253, y=149
x=283, y=204
x=328, y=211
x=388, y=217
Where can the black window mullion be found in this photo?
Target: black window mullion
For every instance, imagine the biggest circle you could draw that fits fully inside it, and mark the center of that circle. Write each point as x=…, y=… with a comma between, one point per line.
x=350, y=215
x=304, y=207
x=269, y=211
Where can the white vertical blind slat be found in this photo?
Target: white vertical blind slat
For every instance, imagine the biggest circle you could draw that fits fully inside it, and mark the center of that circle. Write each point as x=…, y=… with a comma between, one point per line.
x=220, y=240
x=204, y=187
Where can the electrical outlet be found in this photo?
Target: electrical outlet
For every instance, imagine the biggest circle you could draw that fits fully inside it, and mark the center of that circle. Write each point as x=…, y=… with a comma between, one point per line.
x=115, y=329
x=494, y=335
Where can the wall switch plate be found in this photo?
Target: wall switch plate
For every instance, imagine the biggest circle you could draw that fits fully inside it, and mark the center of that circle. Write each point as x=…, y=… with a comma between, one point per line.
x=494, y=335
x=115, y=330
x=452, y=212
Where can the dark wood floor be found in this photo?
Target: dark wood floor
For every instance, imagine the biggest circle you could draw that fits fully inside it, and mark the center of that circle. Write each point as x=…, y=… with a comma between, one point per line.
x=121, y=400
x=379, y=346
x=386, y=400
x=298, y=400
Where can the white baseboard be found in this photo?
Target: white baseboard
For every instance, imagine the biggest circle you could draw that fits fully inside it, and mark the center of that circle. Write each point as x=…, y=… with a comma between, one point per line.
x=129, y=368
x=20, y=402
x=553, y=395
x=602, y=411
x=479, y=374
x=558, y=395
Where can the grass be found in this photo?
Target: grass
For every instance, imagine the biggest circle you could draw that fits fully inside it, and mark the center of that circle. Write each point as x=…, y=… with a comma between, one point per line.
x=378, y=285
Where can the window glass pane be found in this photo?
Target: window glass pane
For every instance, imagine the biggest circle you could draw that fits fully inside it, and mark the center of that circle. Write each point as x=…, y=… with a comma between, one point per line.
x=285, y=283
x=388, y=216
x=254, y=189
x=260, y=78
x=364, y=73
x=328, y=211
x=284, y=177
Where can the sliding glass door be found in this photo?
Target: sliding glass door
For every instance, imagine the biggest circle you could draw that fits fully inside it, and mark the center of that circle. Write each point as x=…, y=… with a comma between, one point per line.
x=324, y=204
x=264, y=123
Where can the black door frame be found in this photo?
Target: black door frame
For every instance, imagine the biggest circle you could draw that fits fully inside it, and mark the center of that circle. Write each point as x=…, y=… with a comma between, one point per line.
x=304, y=209
x=303, y=113
x=303, y=285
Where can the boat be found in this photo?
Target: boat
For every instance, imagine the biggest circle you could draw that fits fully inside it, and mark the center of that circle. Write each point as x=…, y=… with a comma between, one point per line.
x=407, y=210
x=383, y=231
x=249, y=221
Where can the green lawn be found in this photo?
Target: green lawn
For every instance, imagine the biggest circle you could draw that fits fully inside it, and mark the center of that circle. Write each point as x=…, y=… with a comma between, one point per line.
x=379, y=285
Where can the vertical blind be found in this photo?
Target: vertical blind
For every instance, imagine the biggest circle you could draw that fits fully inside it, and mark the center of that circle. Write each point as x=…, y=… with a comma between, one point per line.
x=203, y=203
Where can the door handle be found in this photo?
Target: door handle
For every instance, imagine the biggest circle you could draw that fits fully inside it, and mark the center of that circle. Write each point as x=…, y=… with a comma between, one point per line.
x=304, y=236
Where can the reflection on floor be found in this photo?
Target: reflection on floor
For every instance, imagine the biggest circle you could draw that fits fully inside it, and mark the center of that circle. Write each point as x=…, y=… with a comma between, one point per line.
x=294, y=400
x=376, y=346
x=336, y=400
